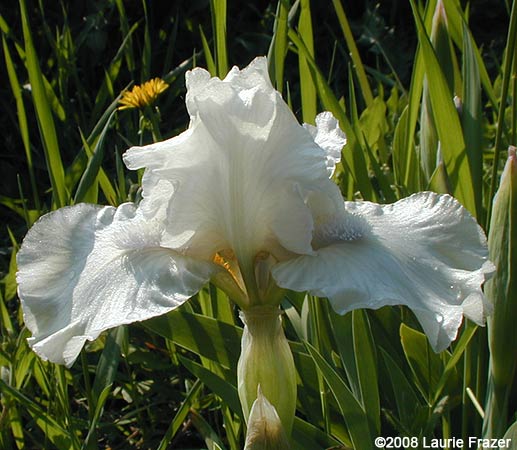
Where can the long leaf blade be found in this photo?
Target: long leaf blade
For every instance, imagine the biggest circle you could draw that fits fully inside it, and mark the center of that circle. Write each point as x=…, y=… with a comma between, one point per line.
x=44, y=114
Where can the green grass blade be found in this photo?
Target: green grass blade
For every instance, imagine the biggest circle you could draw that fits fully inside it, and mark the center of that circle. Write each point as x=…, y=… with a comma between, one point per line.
x=342, y=328
x=366, y=363
x=457, y=26
x=9, y=280
x=76, y=170
x=352, y=411
x=354, y=52
x=414, y=97
x=459, y=350
x=353, y=155
x=307, y=82
x=507, y=72
x=88, y=188
x=125, y=31
x=447, y=121
x=439, y=181
x=95, y=156
x=425, y=365
x=44, y=115
x=53, y=431
x=111, y=74
x=209, y=59
x=121, y=187
x=327, y=97
x=54, y=102
x=406, y=397
x=22, y=119
x=429, y=144
x=146, y=54
x=406, y=130
x=306, y=435
x=108, y=363
x=215, y=303
x=278, y=47
x=212, y=440
x=218, y=8
x=6, y=324
x=319, y=338
x=222, y=387
x=371, y=127
x=210, y=338
x=91, y=438
x=471, y=116
x=25, y=364
x=405, y=164
x=13, y=420
x=181, y=415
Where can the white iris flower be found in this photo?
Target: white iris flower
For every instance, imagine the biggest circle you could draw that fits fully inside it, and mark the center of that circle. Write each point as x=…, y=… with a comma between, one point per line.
x=243, y=198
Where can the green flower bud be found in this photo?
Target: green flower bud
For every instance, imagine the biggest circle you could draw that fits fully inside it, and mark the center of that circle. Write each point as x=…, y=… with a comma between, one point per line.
x=502, y=291
x=266, y=360
x=265, y=430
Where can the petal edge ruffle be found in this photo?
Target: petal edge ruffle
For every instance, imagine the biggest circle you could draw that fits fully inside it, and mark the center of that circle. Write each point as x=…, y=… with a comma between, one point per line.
x=85, y=268
x=425, y=251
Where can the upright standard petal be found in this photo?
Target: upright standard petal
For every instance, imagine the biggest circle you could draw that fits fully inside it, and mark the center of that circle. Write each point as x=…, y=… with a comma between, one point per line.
x=425, y=251
x=240, y=173
x=329, y=137
x=84, y=269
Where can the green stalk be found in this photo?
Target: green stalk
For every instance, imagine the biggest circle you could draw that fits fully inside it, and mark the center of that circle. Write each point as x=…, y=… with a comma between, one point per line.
x=501, y=290
x=151, y=114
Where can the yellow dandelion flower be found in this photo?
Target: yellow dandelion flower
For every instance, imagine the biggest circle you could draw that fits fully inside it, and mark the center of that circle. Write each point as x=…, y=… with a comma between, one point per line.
x=143, y=95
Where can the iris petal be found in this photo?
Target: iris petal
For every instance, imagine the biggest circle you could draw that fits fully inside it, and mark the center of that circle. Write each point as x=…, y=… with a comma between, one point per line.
x=241, y=172
x=84, y=269
x=425, y=251
x=329, y=137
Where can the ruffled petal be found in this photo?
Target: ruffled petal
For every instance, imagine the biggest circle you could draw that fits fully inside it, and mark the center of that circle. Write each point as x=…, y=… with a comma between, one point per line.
x=425, y=251
x=84, y=269
x=239, y=176
x=329, y=137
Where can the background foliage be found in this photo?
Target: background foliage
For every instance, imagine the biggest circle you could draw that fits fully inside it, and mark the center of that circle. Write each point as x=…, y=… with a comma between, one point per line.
x=170, y=382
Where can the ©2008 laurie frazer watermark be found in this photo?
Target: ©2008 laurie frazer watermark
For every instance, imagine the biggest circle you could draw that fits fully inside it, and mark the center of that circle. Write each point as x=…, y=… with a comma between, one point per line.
x=406, y=442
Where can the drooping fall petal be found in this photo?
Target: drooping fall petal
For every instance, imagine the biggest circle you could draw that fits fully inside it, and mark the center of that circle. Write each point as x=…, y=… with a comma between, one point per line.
x=84, y=269
x=425, y=251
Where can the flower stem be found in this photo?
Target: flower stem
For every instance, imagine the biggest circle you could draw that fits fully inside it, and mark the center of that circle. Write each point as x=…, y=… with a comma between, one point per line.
x=152, y=115
x=266, y=360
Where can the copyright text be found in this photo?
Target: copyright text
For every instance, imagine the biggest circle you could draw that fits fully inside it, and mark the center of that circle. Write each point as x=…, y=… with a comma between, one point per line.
x=405, y=442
